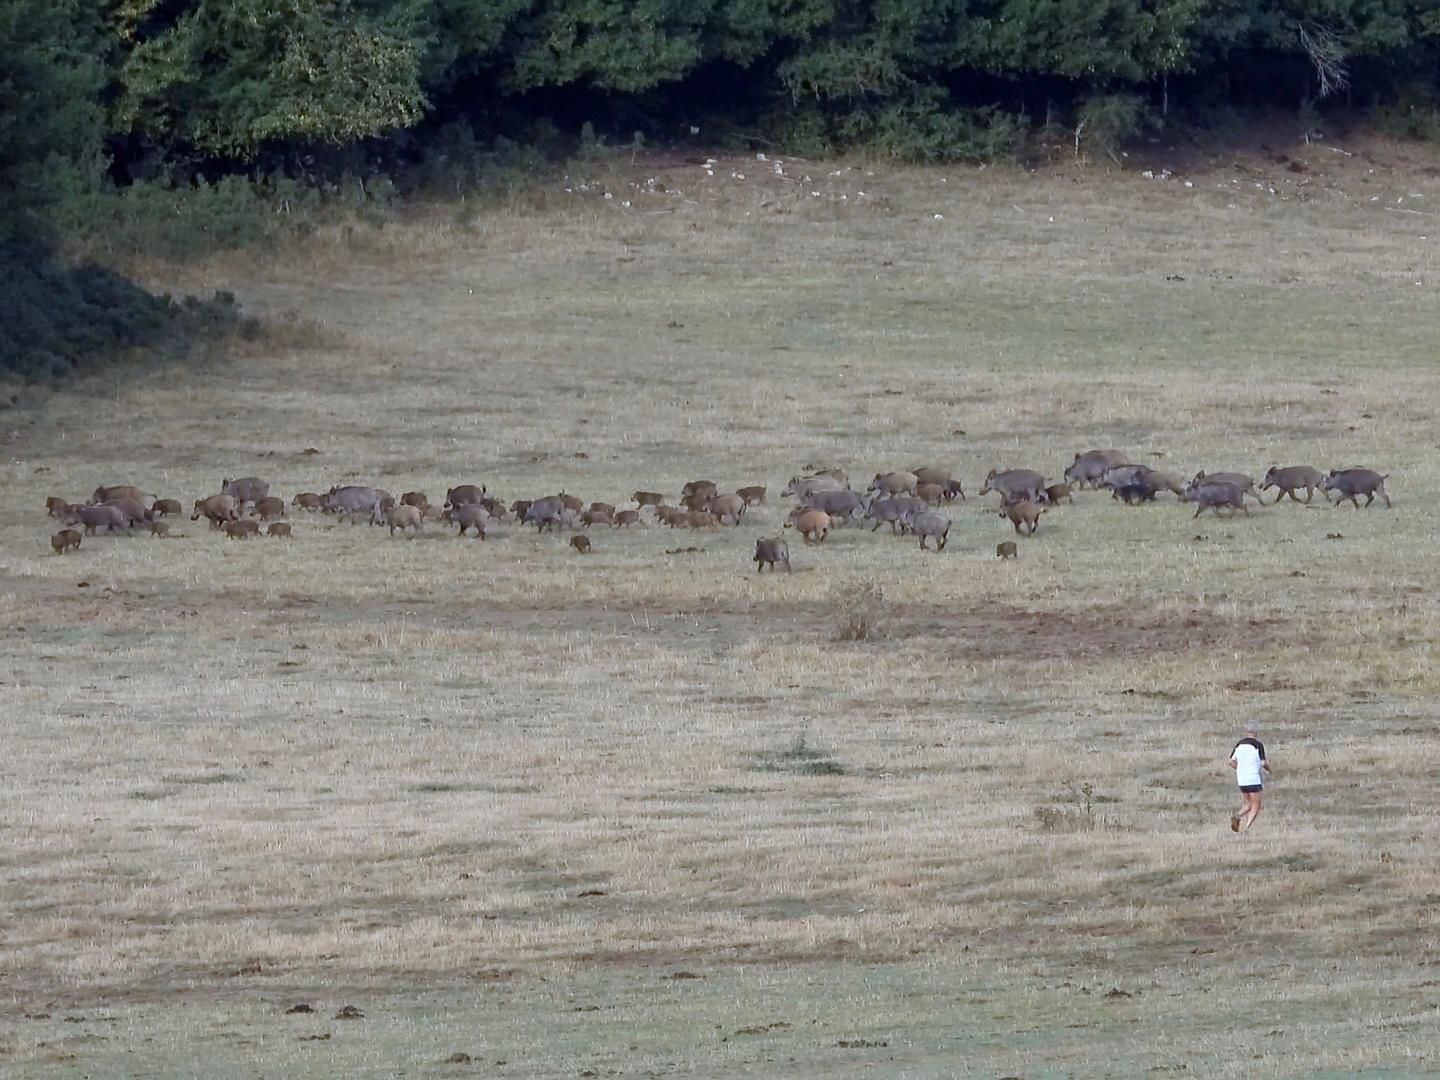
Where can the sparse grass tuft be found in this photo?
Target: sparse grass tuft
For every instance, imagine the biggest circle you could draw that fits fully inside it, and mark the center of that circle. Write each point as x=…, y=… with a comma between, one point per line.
x=799, y=759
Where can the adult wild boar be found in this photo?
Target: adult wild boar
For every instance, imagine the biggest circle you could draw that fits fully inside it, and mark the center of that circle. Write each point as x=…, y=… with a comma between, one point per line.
x=812, y=524
x=1024, y=515
x=354, y=502
x=217, y=509
x=895, y=483
x=270, y=508
x=133, y=509
x=1352, y=483
x=771, y=553
x=1246, y=484
x=246, y=490
x=927, y=524
x=1215, y=495
x=1089, y=469
x=723, y=506
x=801, y=487
x=468, y=516
x=893, y=510
x=939, y=477
x=1015, y=485
x=399, y=517
x=121, y=491
x=547, y=513
x=1291, y=479
x=841, y=505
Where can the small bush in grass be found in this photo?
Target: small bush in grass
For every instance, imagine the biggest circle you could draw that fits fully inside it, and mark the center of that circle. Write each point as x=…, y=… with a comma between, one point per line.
x=801, y=759
x=862, y=613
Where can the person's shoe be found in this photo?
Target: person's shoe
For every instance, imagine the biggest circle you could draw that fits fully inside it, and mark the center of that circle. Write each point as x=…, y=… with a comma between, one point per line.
x=1234, y=822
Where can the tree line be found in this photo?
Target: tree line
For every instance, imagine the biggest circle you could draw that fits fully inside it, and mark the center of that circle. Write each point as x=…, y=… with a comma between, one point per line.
x=104, y=96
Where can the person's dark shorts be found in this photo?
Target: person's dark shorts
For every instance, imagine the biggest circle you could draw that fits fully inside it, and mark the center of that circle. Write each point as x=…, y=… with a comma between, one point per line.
x=1250, y=789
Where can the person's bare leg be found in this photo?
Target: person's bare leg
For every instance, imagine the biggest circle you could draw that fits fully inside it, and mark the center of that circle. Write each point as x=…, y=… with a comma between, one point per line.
x=1254, y=808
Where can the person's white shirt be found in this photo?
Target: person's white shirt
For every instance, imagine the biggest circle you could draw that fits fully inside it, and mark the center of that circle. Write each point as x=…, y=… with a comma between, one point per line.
x=1248, y=755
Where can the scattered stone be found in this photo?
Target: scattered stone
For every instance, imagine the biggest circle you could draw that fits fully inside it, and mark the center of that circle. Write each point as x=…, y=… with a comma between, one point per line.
x=349, y=1012
x=301, y=1007
x=861, y=1044
x=684, y=975
x=458, y=1059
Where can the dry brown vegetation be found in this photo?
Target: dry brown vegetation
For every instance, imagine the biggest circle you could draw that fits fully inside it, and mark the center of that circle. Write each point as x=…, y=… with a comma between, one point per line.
x=507, y=801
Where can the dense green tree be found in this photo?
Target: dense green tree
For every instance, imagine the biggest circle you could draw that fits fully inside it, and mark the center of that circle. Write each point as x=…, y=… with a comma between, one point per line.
x=51, y=120
x=228, y=76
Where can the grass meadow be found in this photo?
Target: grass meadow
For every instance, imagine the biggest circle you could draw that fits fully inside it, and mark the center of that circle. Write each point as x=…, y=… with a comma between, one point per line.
x=645, y=813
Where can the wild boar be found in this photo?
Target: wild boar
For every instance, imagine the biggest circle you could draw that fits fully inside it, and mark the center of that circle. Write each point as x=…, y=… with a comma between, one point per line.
x=895, y=483
x=1291, y=479
x=671, y=515
x=1245, y=483
x=753, y=496
x=354, y=502
x=1217, y=494
x=57, y=507
x=647, y=498
x=165, y=508
x=802, y=487
x=841, y=505
x=415, y=498
x=1134, y=494
x=96, y=517
x=594, y=517
x=626, y=518
x=399, y=517
x=812, y=524
x=309, y=500
x=217, y=508
x=242, y=530
x=280, y=530
x=1352, y=483
x=159, y=530
x=702, y=519
x=1056, y=492
x=938, y=477
x=1089, y=469
x=1024, y=515
x=133, y=509
x=65, y=540
x=468, y=516
x=1007, y=549
x=464, y=495
x=1015, y=485
x=581, y=544
x=544, y=514
x=1121, y=475
x=893, y=510
x=929, y=494
x=604, y=508
x=246, y=490
x=927, y=524
x=771, y=553
x=270, y=508
x=695, y=500
x=704, y=488
x=953, y=490
x=723, y=506
x=573, y=503
x=121, y=491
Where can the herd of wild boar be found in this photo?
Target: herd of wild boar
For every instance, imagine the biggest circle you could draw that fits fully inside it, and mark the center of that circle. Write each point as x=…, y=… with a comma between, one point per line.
x=909, y=501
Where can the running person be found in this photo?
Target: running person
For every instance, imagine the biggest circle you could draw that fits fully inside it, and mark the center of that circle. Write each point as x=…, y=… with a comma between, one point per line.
x=1248, y=761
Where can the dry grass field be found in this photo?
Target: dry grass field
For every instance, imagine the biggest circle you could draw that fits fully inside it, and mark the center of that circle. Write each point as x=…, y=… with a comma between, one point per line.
x=646, y=814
